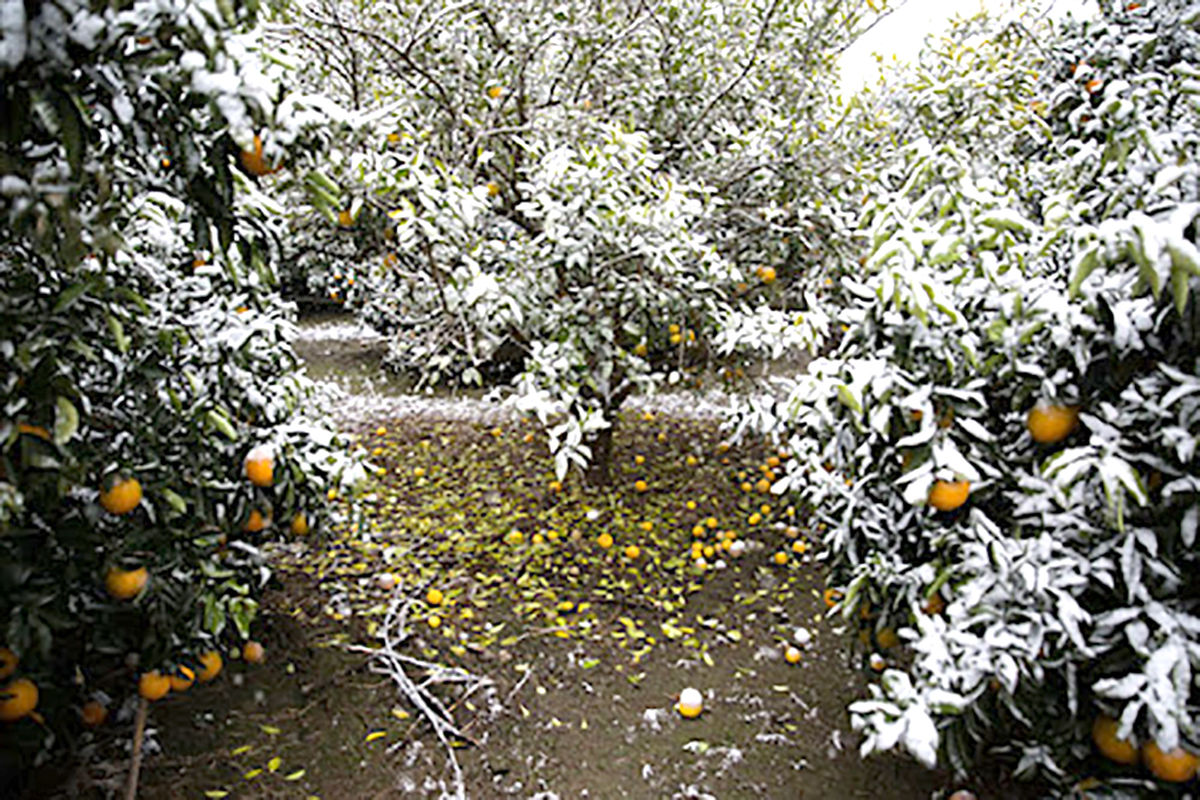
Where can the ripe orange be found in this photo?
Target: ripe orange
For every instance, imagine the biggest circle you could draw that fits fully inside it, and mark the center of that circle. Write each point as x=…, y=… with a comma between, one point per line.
x=123, y=584
x=253, y=161
x=210, y=665
x=632, y=552
x=641, y=486
x=555, y=486
x=18, y=699
x=935, y=605
x=691, y=703
x=260, y=466
x=182, y=679
x=434, y=597
x=947, y=496
x=122, y=497
x=493, y=188
x=495, y=92
x=1051, y=424
x=93, y=713
x=792, y=654
x=153, y=685
x=1173, y=766
x=33, y=430
x=763, y=486
x=781, y=558
x=767, y=275
x=604, y=540
x=253, y=652
x=832, y=597
x=1104, y=735
x=8, y=662
x=299, y=525
x=256, y=522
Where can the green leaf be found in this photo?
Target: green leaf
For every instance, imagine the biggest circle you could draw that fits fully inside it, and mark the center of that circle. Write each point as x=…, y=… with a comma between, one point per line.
x=221, y=423
x=69, y=296
x=66, y=420
x=118, y=331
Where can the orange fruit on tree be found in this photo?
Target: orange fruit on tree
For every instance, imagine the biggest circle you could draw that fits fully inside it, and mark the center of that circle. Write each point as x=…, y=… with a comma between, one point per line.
x=1104, y=736
x=632, y=552
x=605, y=540
x=495, y=92
x=299, y=525
x=260, y=466
x=1050, y=424
x=153, y=685
x=767, y=275
x=434, y=597
x=252, y=160
x=493, y=188
x=640, y=486
x=832, y=597
x=255, y=522
x=253, y=652
x=182, y=679
x=123, y=584
x=18, y=699
x=1174, y=766
x=949, y=495
x=8, y=662
x=210, y=665
x=93, y=713
x=122, y=496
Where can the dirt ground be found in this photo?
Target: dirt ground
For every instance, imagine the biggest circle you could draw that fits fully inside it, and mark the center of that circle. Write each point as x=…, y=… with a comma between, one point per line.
x=581, y=701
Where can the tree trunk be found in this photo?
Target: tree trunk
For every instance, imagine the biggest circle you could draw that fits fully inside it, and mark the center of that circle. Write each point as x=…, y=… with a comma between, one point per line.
x=599, y=470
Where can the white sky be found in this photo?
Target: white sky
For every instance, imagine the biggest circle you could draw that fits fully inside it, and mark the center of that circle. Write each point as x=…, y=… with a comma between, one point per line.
x=902, y=33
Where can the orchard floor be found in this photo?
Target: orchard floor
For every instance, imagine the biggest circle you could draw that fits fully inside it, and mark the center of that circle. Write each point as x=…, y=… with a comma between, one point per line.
x=586, y=647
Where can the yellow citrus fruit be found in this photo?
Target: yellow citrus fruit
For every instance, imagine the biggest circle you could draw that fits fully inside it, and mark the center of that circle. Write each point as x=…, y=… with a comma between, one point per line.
x=949, y=495
x=604, y=540
x=712, y=522
x=754, y=518
x=345, y=218
x=781, y=558
x=1049, y=424
x=434, y=621
x=123, y=497
x=434, y=597
x=767, y=274
x=8, y=662
x=1173, y=766
x=256, y=522
x=495, y=92
x=18, y=699
x=832, y=597
x=182, y=679
x=123, y=584
x=555, y=486
x=153, y=685
x=93, y=713
x=632, y=552
x=210, y=665
x=641, y=486
x=253, y=652
x=691, y=703
x=791, y=654
x=299, y=525
x=260, y=466
x=418, y=472
x=1104, y=736
x=640, y=349
x=493, y=188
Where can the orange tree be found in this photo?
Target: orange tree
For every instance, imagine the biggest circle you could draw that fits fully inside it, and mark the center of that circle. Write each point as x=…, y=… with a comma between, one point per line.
x=582, y=201
x=145, y=354
x=1000, y=450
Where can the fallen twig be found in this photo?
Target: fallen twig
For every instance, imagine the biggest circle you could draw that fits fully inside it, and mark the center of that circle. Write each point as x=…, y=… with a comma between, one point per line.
x=135, y=763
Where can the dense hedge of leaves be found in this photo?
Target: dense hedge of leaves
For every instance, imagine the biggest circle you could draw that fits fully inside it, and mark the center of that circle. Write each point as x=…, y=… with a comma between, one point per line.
x=1032, y=240
x=140, y=337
